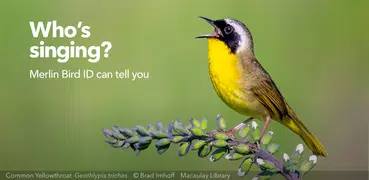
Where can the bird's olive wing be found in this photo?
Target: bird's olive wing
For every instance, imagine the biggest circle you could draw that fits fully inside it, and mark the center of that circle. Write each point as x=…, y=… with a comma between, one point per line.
x=268, y=94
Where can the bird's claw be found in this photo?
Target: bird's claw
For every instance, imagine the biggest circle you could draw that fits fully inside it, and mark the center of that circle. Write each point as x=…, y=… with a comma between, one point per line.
x=231, y=133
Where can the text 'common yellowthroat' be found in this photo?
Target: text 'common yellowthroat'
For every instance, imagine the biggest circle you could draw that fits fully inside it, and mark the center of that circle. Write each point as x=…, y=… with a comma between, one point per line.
x=244, y=85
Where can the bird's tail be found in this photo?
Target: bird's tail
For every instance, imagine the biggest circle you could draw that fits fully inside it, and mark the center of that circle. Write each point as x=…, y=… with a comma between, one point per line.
x=293, y=122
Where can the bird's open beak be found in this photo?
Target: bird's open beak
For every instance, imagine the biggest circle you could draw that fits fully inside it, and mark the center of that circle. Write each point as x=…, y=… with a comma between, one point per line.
x=217, y=32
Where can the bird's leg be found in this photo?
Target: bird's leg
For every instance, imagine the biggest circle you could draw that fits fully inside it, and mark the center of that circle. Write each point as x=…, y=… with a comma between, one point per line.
x=265, y=127
x=232, y=131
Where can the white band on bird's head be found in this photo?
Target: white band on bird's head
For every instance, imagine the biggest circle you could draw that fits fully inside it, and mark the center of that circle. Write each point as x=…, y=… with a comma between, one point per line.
x=245, y=41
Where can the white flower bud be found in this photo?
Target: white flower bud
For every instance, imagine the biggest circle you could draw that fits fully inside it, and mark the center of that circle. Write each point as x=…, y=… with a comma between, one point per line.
x=260, y=161
x=313, y=158
x=254, y=124
x=300, y=148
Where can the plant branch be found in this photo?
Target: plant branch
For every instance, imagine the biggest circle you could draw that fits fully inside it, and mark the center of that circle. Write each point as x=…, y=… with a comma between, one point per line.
x=193, y=136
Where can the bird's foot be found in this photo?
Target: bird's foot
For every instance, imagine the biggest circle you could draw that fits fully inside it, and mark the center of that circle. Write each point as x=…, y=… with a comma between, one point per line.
x=231, y=133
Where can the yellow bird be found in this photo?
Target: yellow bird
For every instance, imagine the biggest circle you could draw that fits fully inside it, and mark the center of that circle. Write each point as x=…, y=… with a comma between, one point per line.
x=244, y=85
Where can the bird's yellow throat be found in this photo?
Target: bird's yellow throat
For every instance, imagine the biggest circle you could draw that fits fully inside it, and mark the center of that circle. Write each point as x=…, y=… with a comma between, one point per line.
x=222, y=62
x=225, y=73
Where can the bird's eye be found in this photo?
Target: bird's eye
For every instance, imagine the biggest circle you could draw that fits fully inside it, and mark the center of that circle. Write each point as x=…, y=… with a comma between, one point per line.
x=228, y=29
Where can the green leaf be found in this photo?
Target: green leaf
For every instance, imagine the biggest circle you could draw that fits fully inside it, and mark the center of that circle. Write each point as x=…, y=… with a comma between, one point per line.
x=183, y=149
x=244, y=131
x=267, y=138
x=198, y=144
x=221, y=136
x=273, y=148
x=116, y=128
x=162, y=149
x=188, y=126
x=295, y=158
x=177, y=139
x=150, y=128
x=256, y=134
x=159, y=134
x=142, y=131
x=287, y=162
x=176, y=122
x=266, y=165
x=133, y=140
x=127, y=132
x=217, y=154
x=221, y=123
x=178, y=127
x=242, y=149
x=108, y=133
x=204, y=124
x=297, y=154
x=141, y=146
x=160, y=126
x=265, y=175
x=118, y=144
x=234, y=156
x=197, y=131
x=195, y=123
x=245, y=166
x=307, y=165
x=219, y=143
x=126, y=145
x=204, y=150
x=145, y=140
x=162, y=142
x=111, y=141
x=118, y=135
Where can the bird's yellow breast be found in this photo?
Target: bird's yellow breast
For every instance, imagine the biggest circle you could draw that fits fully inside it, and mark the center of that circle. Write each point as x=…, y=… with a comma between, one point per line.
x=228, y=78
x=225, y=74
